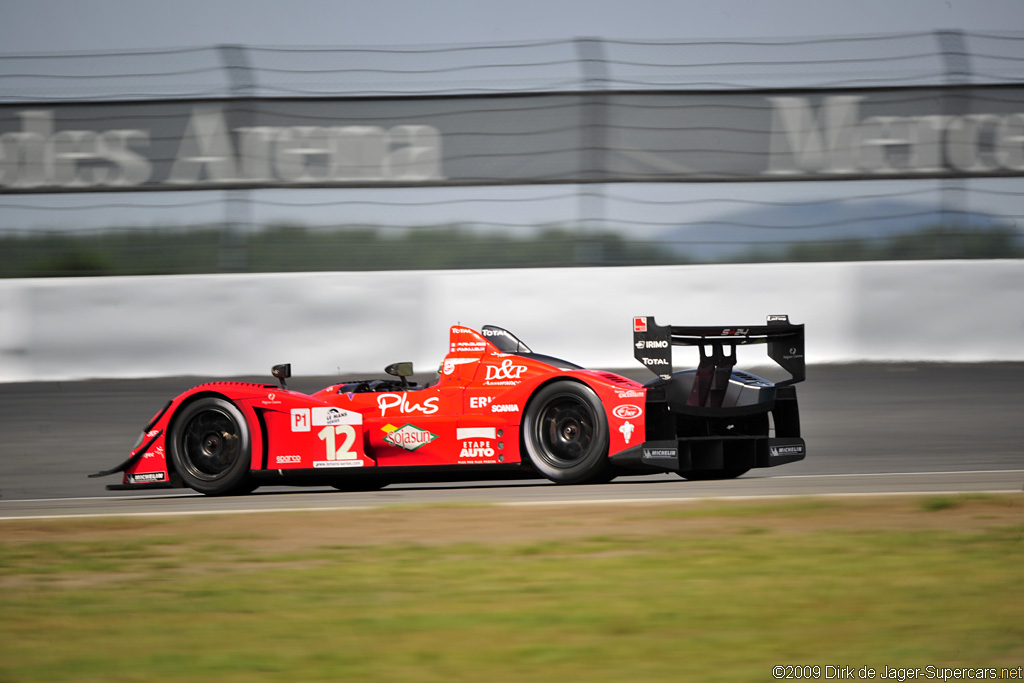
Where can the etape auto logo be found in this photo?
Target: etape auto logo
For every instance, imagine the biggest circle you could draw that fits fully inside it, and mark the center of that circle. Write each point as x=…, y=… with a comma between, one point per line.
x=409, y=437
x=477, y=442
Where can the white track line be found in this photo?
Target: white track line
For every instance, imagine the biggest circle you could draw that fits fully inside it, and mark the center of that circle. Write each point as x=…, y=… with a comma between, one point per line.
x=192, y=494
x=482, y=503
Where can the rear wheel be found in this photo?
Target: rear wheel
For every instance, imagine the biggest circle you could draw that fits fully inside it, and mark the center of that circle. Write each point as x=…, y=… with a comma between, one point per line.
x=210, y=448
x=565, y=434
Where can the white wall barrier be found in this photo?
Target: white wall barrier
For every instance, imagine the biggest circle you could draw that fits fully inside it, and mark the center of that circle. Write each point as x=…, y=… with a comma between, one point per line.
x=326, y=323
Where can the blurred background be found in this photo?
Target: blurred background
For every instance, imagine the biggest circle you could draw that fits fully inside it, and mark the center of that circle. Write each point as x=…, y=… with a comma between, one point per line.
x=135, y=158
x=237, y=138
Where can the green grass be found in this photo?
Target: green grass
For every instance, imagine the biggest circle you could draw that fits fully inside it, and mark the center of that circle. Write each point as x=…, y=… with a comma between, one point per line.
x=658, y=606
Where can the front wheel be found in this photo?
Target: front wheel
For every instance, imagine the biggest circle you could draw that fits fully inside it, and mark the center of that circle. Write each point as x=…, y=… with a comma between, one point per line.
x=565, y=433
x=209, y=447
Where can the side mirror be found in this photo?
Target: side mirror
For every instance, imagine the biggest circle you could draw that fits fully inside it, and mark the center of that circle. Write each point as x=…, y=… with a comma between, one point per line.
x=281, y=373
x=402, y=370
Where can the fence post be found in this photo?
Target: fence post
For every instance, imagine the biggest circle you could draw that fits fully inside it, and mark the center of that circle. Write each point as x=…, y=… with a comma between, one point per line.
x=238, y=224
x=594, y=143
x=957, y=65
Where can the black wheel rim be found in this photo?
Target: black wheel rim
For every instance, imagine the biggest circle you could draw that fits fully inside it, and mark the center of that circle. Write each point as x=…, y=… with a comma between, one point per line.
x=565, y=430
x=210, y=443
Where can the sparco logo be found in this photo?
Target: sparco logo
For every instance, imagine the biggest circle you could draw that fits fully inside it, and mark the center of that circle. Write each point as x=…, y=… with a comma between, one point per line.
x=654, y=361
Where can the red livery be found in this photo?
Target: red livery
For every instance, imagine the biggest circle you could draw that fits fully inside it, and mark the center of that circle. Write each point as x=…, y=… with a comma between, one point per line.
x=495, y=409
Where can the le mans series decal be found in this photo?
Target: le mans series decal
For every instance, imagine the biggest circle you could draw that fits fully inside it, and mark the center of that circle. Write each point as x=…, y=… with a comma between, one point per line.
x=304, y=419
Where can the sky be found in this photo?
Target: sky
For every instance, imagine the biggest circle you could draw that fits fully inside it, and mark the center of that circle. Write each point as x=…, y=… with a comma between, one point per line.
x=73, y=25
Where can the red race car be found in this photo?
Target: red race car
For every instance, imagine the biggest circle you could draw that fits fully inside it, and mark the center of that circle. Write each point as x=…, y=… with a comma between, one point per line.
x=496, y=409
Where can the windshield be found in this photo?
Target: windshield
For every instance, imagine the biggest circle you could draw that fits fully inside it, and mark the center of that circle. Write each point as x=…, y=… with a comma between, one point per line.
x=504, y=340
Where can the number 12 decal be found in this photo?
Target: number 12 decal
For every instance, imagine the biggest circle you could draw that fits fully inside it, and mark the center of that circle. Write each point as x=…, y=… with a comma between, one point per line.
x=343, y=452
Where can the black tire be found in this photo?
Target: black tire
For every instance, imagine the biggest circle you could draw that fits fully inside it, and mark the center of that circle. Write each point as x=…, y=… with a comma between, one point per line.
x=710, y=475
x=210, y=447
x=565, y=433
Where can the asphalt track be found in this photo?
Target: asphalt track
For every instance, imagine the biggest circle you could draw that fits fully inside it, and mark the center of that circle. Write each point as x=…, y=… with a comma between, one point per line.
x=870, y=429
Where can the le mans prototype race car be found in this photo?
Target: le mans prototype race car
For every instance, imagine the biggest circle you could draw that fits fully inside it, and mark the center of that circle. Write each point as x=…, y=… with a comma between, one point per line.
x=496, y=409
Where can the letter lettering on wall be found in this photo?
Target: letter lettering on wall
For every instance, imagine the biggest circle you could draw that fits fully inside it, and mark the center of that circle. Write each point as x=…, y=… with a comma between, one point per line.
x=802, y=143
x=205, y=145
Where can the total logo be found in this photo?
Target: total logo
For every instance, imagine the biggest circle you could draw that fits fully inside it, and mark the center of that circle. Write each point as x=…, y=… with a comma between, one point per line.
x=654, y=361
x=504, y=371
x=401, y=401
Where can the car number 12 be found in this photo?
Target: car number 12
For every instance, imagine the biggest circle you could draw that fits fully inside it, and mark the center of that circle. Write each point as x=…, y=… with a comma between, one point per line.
x=343, y=452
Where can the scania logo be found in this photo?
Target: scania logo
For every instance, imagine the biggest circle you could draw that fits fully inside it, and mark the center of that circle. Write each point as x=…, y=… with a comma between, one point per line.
x=627, y=411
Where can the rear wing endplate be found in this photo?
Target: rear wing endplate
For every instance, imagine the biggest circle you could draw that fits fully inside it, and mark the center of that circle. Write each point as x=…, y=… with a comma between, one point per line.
x=652, y=345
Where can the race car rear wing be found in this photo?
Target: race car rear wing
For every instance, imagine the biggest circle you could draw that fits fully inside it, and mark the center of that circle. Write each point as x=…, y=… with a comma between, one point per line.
x=653, y=344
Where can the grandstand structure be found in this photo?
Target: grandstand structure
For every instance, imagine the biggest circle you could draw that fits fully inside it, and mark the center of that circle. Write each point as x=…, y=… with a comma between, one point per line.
x=704, y=148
